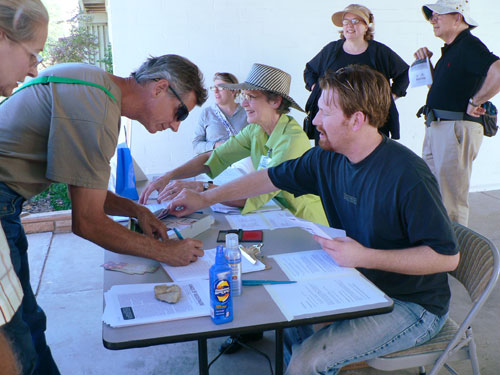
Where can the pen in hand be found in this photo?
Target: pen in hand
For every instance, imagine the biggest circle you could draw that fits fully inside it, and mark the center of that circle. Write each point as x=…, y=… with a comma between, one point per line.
x=178, y=234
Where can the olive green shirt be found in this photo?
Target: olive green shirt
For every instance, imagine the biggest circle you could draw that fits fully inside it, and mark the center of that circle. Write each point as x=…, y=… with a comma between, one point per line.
x=60, y=132
x=287, y=141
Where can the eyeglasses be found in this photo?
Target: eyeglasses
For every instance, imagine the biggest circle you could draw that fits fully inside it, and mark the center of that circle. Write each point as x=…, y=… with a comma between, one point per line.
x=354, y=21
x=435, y=17
x=182, y=111
x=35, y=58
x=217, y=88
x=247, y=97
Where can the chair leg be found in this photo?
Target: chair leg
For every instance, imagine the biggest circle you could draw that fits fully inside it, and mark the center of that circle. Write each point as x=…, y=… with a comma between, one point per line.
x=473, y=357
x=450, y=369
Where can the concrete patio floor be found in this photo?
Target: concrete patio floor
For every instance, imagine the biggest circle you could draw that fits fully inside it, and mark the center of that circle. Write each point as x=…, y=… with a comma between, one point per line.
x=66, y=273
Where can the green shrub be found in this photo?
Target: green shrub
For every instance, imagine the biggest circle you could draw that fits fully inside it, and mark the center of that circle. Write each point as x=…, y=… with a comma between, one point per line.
x=58, y=196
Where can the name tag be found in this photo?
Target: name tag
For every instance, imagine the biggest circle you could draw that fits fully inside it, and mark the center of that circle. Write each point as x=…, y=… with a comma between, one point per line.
x=264, y=161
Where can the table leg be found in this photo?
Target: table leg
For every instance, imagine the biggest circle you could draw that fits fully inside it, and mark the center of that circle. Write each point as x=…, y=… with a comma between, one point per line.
x=279, y=351
x=202, y=357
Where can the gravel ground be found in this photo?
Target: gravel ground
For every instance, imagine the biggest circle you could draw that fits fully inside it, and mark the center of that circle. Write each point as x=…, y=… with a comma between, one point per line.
x=41, y=205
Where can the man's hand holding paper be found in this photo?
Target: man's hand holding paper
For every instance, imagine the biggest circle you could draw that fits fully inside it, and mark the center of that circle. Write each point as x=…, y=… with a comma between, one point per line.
x=345, y=251
x=151, y=226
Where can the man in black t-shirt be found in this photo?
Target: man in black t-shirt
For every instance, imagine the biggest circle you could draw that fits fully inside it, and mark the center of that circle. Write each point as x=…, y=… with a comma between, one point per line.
x=466, y=76
x=388, y=202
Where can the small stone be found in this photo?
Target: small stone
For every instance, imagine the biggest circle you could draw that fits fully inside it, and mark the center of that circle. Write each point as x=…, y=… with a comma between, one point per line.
x=168, y=293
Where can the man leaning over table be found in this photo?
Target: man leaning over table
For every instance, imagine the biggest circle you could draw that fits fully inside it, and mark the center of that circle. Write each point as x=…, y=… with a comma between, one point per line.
x=387, y=200
x=66, y=132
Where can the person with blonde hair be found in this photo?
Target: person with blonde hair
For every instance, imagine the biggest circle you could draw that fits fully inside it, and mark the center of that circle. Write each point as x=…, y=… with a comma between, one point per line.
x=356, y=46
x=222, y=120
x=23, y=33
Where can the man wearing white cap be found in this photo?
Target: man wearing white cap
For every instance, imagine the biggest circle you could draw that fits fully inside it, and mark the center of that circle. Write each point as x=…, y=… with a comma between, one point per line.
x=466, y=76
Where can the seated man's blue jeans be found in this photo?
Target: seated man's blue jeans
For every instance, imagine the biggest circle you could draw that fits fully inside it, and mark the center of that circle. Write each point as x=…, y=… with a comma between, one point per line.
x=353, y=340
x=26, y=330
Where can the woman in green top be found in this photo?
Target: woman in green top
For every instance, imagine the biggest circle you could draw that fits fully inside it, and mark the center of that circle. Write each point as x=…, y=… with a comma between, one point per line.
x=270, y=138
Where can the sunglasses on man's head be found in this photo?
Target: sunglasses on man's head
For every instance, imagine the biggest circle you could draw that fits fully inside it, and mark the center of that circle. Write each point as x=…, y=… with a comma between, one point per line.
x=182, y=111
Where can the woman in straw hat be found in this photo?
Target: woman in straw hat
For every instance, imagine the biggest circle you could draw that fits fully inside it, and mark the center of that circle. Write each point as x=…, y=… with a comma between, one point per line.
x=356, y=46
x=270, y=138
x=23, y=32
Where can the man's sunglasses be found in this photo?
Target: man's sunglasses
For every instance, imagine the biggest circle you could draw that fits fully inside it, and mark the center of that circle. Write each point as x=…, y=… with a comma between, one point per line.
x=182, y=111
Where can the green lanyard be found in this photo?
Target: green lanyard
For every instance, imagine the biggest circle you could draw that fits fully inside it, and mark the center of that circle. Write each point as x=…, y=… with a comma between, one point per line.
x=55, y=79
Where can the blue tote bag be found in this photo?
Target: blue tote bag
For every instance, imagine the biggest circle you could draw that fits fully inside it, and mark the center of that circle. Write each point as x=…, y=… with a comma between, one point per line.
x=125, y=176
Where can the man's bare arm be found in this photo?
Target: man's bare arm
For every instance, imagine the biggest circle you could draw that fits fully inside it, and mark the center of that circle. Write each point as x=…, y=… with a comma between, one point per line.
x=420, y=260
x=488, y=90
x=192, y=168
x=89, y=221
x=250, y=185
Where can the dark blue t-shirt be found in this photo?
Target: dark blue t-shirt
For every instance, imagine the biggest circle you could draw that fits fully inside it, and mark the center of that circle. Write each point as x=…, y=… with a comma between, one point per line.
x=389, y=200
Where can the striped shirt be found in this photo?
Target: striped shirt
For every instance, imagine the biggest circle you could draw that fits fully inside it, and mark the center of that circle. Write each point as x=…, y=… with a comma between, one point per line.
x=11, y=292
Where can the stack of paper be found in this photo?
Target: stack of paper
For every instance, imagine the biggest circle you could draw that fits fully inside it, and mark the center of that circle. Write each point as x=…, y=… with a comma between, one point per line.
x=134, y=304
x=189, y=226
x=224, y=209
x=280, y=219
x=322, y=285
x=159, y=209
x=200, y=268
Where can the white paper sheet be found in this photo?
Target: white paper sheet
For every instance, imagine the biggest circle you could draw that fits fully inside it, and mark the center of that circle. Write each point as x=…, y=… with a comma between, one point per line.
x=261, y=220
x=222, y=208
x=420, y=73
x=200, y=268
x=317, y=229
x=311, y=264
x=228, y=175
x=322, y=295
x=135, y=304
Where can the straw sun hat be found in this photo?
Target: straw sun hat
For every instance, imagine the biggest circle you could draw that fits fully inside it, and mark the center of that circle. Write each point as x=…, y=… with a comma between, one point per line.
x=359, y=10
x=266, y=78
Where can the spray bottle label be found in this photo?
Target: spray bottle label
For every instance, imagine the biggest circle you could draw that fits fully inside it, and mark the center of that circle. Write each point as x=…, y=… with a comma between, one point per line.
x=221, y=289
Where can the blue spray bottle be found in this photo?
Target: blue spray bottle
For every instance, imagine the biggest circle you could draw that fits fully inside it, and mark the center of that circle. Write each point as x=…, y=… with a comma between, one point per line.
x=221, y=303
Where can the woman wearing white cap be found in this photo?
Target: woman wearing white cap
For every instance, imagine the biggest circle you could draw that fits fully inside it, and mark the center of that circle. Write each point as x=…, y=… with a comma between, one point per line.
x=356, y=46
x=270, y=138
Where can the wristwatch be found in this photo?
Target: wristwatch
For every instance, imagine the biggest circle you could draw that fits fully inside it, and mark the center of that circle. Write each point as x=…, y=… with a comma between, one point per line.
x=471, y=102
x=207, y=184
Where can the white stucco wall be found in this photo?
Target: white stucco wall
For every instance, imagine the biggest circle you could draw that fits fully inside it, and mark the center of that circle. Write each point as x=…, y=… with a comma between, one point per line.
x=230, y=35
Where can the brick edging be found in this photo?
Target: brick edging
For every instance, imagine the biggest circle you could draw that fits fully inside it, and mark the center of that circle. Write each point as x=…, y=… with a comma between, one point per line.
x=56, y=221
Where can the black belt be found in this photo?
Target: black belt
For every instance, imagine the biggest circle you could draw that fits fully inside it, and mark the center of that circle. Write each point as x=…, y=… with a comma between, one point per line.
x=442, y=115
